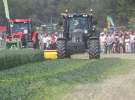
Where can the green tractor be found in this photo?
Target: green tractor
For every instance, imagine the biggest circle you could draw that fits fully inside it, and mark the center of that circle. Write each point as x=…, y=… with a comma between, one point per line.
x=79, y=35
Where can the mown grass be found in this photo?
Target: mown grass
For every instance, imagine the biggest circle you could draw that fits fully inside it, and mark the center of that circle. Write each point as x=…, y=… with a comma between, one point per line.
x=14, y=58
x=51, y=80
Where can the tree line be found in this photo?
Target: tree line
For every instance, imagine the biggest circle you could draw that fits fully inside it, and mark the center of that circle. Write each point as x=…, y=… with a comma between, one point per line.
x=46, y=11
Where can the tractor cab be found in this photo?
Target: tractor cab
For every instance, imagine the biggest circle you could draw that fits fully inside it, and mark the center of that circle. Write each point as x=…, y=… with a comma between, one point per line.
x=20, y=25
x=77, y=26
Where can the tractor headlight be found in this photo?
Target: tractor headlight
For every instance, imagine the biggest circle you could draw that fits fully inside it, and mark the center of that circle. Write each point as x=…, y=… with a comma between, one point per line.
x=70, y=15
x=25, y=31
x=86, y=31
x=85, y=15
x=93, y=28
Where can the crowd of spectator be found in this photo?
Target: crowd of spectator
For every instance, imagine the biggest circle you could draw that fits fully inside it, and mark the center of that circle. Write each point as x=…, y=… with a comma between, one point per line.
x=118, y=42
x=47, y=41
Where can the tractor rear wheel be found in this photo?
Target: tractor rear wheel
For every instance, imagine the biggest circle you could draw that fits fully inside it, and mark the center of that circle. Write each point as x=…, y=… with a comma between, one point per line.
x=61, y=48
x=93, y=48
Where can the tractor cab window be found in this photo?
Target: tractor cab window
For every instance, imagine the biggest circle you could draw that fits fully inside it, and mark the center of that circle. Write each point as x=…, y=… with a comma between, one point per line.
x=20, y=27
x=78, y=23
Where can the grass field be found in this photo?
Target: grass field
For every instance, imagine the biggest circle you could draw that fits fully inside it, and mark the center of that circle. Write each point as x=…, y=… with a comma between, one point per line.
x=52, y=80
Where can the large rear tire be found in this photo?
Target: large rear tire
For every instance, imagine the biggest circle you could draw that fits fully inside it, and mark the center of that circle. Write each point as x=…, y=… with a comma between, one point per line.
x=61, y=48
x=93, y=48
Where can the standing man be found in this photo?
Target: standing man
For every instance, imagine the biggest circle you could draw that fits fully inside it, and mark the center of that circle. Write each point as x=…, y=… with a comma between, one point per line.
x=102, y=41
x=132, y=42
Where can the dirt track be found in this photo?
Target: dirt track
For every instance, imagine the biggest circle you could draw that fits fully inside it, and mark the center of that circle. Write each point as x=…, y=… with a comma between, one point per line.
x=114, y=88
x=123, y=56
x=120, y=88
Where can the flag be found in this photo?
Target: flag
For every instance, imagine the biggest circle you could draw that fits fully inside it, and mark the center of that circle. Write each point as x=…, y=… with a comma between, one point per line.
x=6, y=9
x=110, y=21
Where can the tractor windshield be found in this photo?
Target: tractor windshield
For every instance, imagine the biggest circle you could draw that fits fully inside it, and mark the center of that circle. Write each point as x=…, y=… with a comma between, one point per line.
x=20, y=27
x=80, y=23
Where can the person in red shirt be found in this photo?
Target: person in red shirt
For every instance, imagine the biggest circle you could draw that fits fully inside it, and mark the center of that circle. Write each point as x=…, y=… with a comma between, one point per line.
x=33, y=37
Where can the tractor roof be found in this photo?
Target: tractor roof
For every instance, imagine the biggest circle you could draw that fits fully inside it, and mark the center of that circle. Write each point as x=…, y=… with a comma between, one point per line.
x=78, y=15
x=75, y=15
x=20, y=20
x=3, y=28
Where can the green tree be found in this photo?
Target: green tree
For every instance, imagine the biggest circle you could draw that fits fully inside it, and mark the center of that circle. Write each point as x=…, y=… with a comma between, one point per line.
x=45, y=11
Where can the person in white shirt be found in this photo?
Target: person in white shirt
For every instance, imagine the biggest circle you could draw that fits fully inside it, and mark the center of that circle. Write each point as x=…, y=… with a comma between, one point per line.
x=127, y=44
x=132, y=42
x=102, y=42
x=45, y=41
x=121, y=43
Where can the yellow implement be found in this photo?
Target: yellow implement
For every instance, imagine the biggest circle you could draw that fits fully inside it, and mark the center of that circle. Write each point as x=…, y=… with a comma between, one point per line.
x=50, y=54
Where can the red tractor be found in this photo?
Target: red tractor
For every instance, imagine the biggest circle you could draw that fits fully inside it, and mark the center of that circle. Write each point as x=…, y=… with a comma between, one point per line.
x=19, y=33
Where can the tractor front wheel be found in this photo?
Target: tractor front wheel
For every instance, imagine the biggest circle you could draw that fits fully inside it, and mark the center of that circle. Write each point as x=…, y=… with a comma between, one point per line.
x=61, y=48
x=93, y=48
